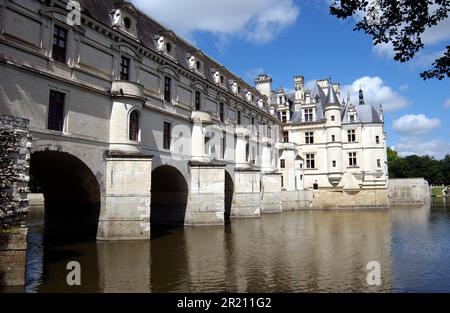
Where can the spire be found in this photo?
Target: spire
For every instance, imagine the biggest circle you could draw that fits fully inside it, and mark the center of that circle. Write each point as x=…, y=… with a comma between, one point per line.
x=332, y=99
x=361, y=97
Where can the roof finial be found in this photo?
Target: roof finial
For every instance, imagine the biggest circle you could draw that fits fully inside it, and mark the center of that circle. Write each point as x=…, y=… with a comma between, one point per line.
x=361, y=96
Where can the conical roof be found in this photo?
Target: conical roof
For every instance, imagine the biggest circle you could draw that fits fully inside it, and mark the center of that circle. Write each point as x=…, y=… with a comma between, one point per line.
x=332, y=99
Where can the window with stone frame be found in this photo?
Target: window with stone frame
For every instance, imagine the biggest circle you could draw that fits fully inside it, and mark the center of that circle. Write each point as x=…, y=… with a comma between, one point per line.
x=351, y=134
x=282, y=163
x=56, y=111
x=167, y=89
x=309, y=115
x=352, y=161
x=167, y=136
x=125, y=68
x=134, y=126
x=310, y=161
x=309, y=137
x=285, y=136
x=198, y=99
x=59, y=50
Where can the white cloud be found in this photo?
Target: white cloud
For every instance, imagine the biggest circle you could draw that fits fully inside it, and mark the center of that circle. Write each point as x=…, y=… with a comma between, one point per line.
x=437, y=33
x=253, y=73
x=416, y=124
x=376, y=92
x=446, y=104
x=258, y=21
x=418, y=146
x=404, y=87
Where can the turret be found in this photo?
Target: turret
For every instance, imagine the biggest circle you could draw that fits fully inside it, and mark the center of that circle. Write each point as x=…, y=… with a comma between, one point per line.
x=333, y=125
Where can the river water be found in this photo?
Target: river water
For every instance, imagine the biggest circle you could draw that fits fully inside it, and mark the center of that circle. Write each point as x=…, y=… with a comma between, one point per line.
x=302, y=251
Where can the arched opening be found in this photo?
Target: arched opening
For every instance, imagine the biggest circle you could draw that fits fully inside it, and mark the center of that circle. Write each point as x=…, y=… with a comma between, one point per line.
x=71, y=193
x=134, y=126
x=229, y=193
x=169, y=196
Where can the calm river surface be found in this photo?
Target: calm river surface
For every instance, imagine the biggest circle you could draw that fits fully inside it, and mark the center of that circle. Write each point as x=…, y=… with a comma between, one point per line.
x=303, y=251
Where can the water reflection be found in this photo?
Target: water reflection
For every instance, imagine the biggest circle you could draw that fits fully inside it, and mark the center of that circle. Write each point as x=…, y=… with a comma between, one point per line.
x=304, y=251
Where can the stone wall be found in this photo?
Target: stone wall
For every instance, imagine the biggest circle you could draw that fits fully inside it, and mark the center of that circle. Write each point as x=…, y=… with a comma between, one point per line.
x=338, y=199
x=15, y=142
x=409, y=192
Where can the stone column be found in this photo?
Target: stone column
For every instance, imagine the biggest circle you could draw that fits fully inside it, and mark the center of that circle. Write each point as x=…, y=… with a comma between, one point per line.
x=125, y=214
x=247, y=187
x=206, y=204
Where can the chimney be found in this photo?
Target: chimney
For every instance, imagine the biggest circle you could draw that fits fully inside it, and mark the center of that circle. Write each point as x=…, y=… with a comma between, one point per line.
x=299, y=82
x=264, y=85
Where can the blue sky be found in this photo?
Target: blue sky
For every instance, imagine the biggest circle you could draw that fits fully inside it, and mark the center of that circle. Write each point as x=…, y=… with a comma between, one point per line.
x=284, y=38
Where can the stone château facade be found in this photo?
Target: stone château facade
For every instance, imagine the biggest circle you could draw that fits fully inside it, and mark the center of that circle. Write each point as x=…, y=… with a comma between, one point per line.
x=132, y=125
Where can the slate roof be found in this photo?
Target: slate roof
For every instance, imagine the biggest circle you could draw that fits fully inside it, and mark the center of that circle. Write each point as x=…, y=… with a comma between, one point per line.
x=147, y=28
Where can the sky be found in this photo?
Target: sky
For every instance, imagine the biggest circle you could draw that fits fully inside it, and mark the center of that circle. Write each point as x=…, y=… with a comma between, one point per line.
x=285, y=38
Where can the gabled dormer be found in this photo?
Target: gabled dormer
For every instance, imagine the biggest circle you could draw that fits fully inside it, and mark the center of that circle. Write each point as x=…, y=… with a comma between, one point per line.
x=248, y=96
x=195, y=62
x=235, y=87
x=218, y=76
x=124, y=18
x=165, y=42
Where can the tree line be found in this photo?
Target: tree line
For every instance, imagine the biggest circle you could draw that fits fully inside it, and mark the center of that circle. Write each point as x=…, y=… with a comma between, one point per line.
x=436, y=172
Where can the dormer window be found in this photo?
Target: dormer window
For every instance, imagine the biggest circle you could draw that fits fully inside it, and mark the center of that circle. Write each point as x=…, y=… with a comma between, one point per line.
x=261, y=103
x=249, y=96
x=218, y=77
x=124, y=19
x=127, y=22
x=194, y=63
x=168, y=47
x=235, y=88
x=165, y=45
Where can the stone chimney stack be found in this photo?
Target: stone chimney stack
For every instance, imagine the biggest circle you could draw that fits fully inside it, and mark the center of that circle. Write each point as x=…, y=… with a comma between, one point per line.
x=264, y=85
x=299, y=82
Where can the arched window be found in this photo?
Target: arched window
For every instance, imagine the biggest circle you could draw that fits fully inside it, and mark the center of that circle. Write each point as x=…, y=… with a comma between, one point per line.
x=134, y=126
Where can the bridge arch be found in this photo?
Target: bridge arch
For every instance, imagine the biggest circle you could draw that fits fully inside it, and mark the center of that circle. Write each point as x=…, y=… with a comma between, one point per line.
x=71, y=190
x=169, y=196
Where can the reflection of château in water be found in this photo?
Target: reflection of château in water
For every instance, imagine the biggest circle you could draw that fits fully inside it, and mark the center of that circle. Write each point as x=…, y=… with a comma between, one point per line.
x=109, y=101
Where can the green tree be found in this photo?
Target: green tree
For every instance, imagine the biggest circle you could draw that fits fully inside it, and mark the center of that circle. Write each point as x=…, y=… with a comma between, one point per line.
x=400, y=23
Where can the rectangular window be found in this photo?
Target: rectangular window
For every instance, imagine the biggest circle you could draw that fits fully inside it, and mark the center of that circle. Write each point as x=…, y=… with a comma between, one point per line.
x=309, y=115
x=167, y=135
x=377, y=139
x=333, y=118
x=56, y=111
x=282, y=163
x=125, y=69
x=333, y=138
x=351, y=135
x=224, y=144
x=310, y=161
x=309, y=137
x=352, y=118
x=282, y=181
x=59, y=50
x=222, y=112
x=378, y=163
x=352, y=159
x=239, y=118
x=284, y=117
x=285, y=136
x=334, y=163
x=269, y=132
x=207, y=139
x=167, y=88
x=198, y=97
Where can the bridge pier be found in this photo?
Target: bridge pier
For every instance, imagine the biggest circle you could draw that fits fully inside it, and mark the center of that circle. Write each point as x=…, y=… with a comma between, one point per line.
x=207, y=198
x=125, y=210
